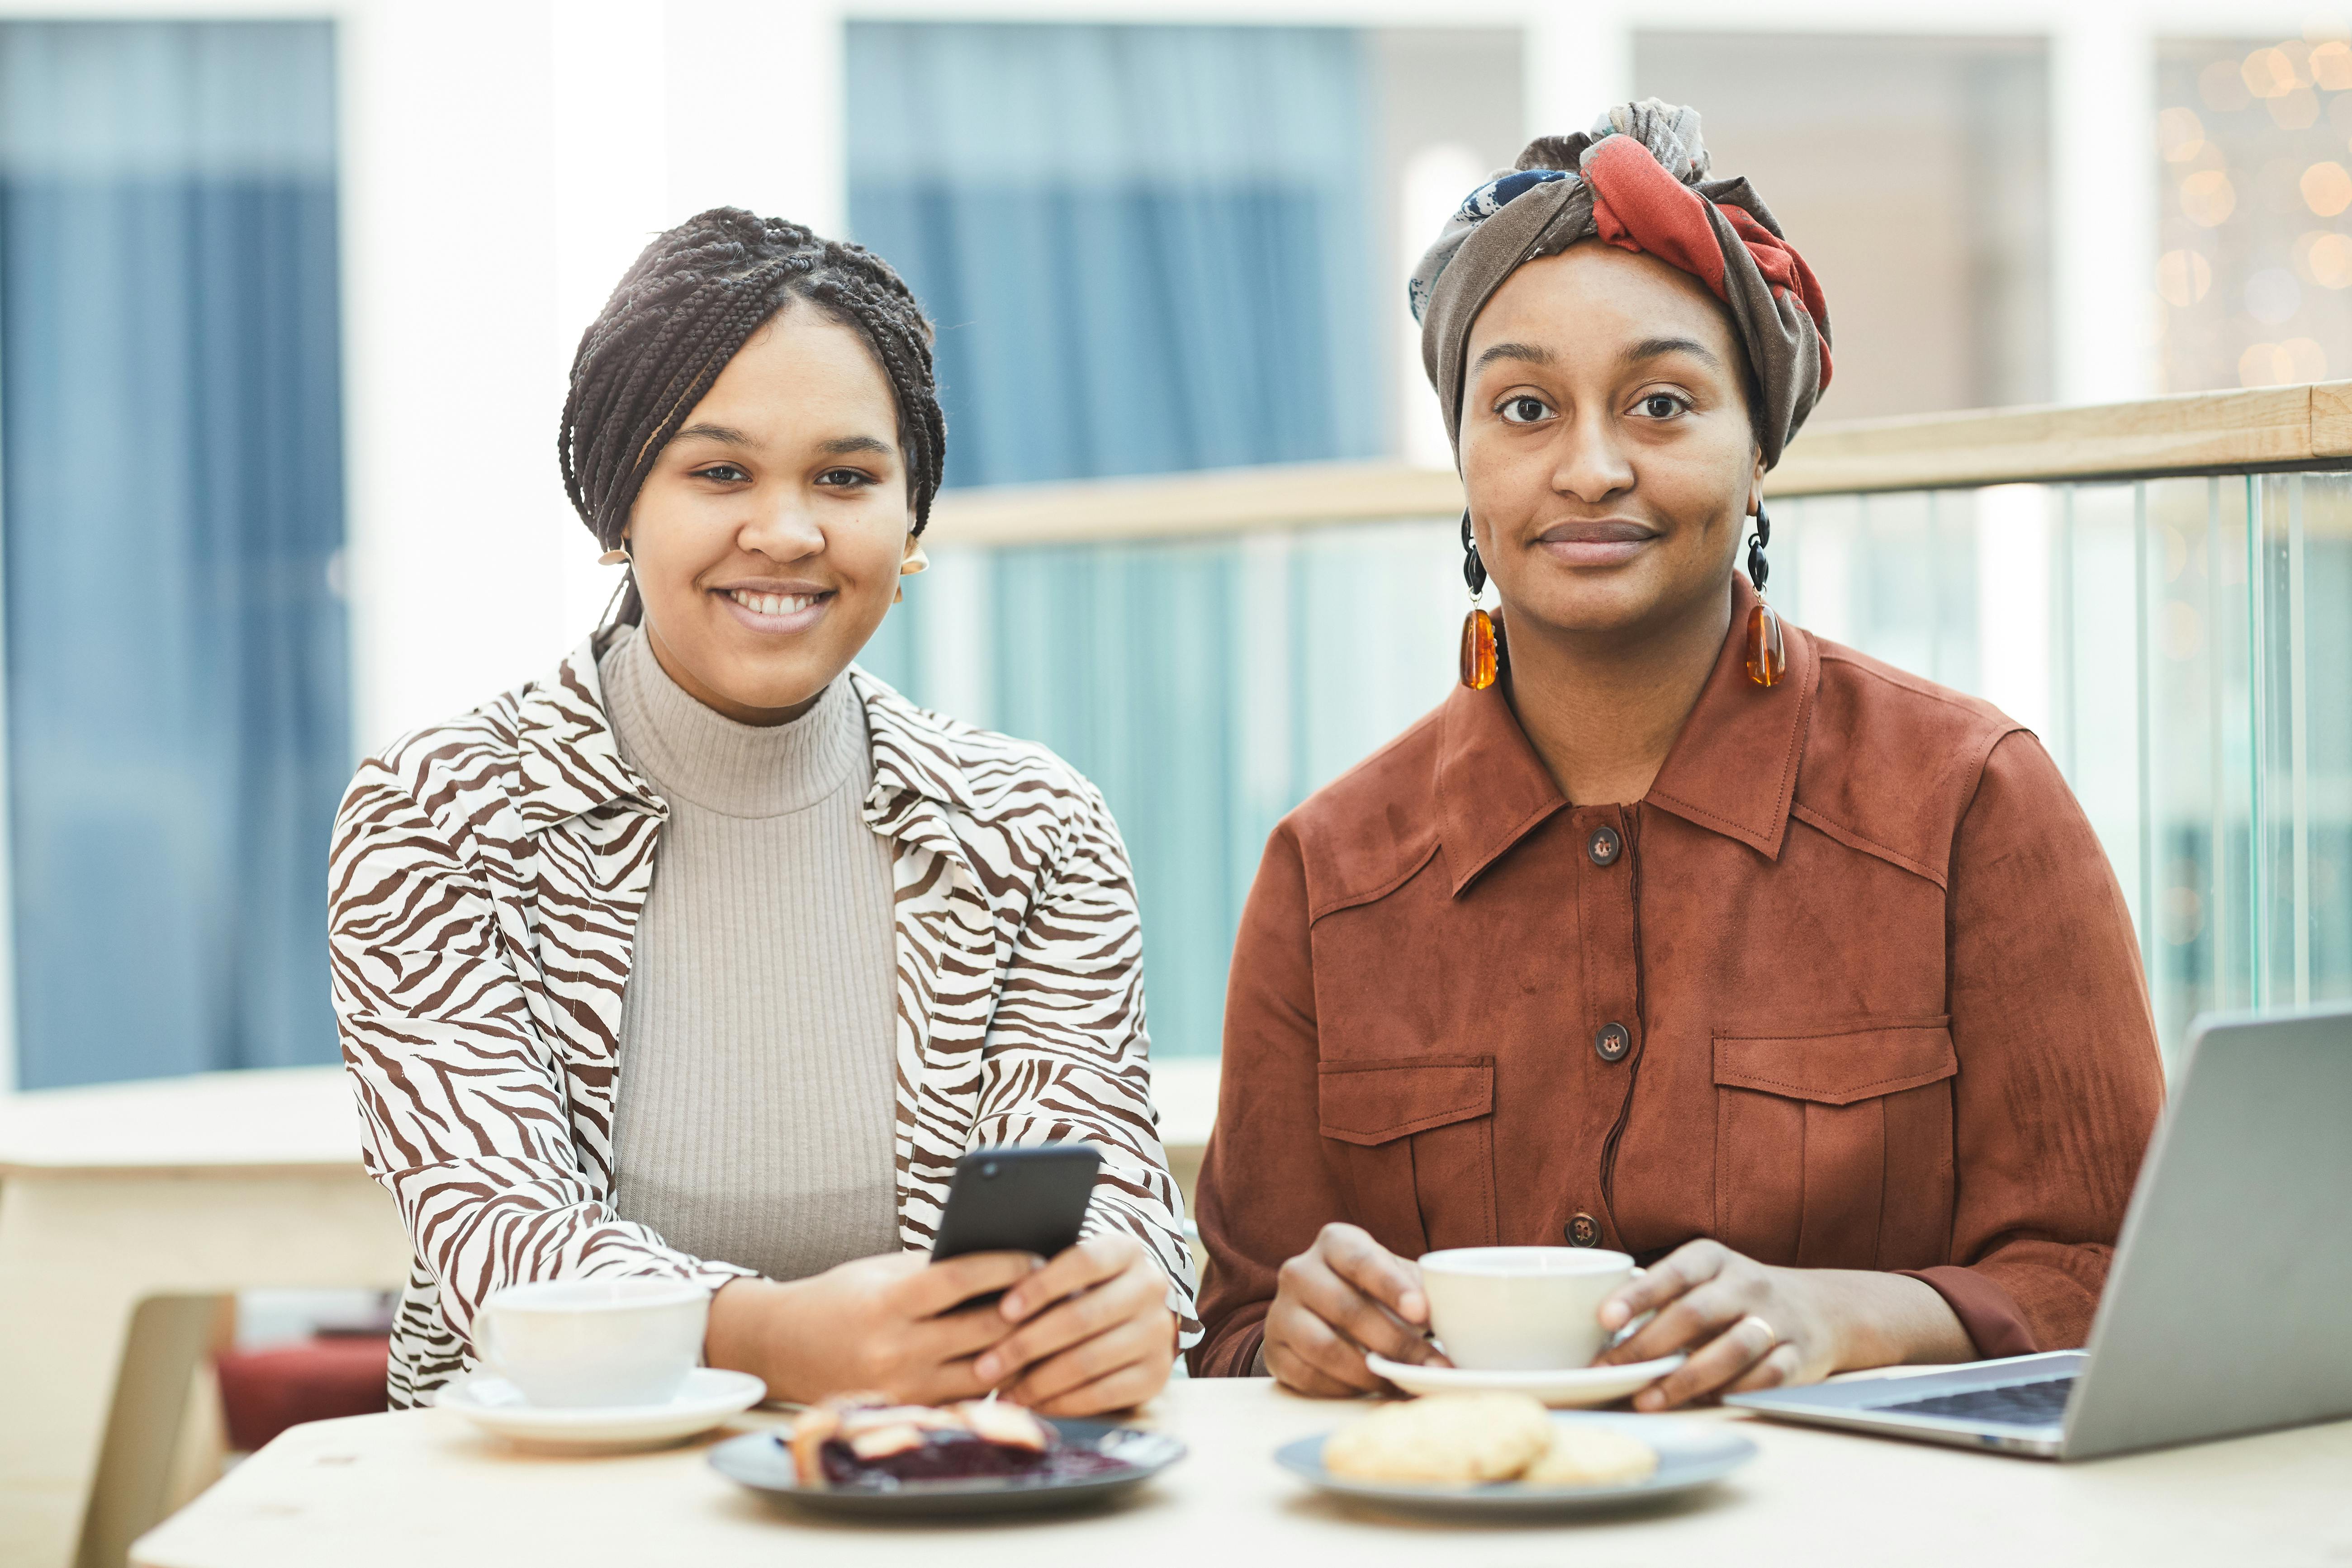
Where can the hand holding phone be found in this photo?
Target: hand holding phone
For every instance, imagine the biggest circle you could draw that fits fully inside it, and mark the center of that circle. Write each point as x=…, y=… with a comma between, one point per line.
x=1020, y=1198
x=1094, y=1331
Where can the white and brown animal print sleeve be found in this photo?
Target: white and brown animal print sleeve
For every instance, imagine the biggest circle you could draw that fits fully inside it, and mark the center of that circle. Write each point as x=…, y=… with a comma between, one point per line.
x=487, y=876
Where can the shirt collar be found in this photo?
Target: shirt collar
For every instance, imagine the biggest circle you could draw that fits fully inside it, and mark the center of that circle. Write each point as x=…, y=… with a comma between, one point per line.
x=570, y=764
x=569, y=761
x=1734, y=767
x=1732, y=771
x=1491, y=788
x=916, y=753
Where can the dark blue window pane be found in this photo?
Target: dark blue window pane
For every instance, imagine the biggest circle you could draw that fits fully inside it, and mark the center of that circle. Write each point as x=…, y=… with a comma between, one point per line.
x=1146, y=247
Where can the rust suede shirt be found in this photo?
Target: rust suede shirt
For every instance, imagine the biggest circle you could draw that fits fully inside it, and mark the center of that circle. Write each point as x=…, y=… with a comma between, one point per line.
x=1852, y=987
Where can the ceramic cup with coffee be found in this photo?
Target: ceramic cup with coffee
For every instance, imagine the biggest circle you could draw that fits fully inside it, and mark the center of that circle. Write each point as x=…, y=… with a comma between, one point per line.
x=1521, y=1308
x=578, y=1343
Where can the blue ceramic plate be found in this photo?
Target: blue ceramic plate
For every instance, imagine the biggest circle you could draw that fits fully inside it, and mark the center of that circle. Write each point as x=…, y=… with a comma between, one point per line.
x=763, y=1463
x=1691, y=1454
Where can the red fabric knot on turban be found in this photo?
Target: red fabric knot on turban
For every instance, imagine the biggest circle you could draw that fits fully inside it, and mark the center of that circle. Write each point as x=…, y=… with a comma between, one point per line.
x=1637, y=206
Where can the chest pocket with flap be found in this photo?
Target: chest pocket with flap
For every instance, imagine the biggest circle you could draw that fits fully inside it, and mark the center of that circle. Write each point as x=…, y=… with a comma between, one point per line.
x=1418, y=1147
x=1834, y=1151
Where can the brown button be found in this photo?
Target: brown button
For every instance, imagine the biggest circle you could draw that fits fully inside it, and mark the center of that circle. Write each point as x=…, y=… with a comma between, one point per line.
x=1583, y=1231
x=1605, y=846
x=1612, y=1042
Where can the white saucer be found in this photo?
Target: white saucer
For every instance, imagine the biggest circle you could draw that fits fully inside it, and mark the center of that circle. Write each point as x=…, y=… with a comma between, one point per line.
x=709, y=1397
x=1570, y=1389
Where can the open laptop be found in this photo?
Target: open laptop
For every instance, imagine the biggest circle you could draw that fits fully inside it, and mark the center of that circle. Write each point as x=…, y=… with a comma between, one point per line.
x=2230, y=1303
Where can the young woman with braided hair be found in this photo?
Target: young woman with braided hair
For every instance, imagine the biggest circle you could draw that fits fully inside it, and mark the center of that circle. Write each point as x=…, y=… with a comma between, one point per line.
x=706, y=956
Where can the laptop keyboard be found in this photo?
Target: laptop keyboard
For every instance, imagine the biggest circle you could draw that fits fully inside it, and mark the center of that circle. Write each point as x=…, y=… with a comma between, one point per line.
x=2042, y=1404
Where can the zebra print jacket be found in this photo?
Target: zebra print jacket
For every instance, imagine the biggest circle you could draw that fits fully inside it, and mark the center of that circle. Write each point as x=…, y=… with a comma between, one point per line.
x=487, y=878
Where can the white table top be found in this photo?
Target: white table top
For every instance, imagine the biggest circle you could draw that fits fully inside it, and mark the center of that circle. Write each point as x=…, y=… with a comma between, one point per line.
x=424, y=1487
x=265, y=1119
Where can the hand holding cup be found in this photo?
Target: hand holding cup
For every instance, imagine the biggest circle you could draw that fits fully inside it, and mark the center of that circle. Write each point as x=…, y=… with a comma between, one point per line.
x=1341, y=1297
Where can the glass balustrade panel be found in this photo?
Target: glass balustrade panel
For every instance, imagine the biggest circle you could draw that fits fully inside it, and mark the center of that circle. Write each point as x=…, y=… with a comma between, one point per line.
x=2179, y=646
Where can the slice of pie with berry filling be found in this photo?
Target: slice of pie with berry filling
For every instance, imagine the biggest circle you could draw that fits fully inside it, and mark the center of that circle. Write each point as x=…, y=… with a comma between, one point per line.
x=867, y=1440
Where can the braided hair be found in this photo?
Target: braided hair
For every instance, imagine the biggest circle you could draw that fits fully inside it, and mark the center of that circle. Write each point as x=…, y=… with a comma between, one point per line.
x=689, y=301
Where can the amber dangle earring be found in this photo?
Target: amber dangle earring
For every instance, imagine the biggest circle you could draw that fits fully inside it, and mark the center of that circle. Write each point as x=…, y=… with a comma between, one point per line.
x=1479, y=658
x=1768, y=658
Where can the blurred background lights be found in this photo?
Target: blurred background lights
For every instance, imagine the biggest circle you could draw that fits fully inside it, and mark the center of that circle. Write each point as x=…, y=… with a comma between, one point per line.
x=2283, y=364
x=2269, y=73
x=2295, y=109
x=2326, y=188
x=2328, y=259
x=2183, y=277
x=2206, y=199
x=2241, y=257
x=2272, y=296
x=2331, y=66
x=2180, y=134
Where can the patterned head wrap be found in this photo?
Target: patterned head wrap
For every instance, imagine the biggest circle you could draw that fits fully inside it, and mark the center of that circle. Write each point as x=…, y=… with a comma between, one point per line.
x=1636, y=180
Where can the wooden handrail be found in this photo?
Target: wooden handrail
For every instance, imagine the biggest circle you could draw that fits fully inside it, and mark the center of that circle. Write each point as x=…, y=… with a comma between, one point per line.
x=1216, y=501
x=2198, y=432
x=2191, y=433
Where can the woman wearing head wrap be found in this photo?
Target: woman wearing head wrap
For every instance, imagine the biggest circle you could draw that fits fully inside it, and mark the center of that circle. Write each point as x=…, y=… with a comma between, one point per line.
x=1674, y=931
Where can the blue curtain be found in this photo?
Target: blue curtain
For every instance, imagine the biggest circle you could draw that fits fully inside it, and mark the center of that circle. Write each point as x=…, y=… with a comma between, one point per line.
x=178, y=726
x=1147, y=249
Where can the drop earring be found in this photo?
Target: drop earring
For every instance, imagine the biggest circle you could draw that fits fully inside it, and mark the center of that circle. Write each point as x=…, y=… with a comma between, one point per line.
x=614, y=558
x=1767, y=656
x=1480, y=656
x=915, y=563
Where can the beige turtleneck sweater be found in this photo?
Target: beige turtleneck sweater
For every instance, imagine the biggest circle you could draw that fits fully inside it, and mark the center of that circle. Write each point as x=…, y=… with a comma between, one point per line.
x=757, y=1080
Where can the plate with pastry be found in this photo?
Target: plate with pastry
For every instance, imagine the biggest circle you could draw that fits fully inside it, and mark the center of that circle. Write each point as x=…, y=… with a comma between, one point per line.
x=1570, y=1388
x=864, y=1454
x=1505, y=1454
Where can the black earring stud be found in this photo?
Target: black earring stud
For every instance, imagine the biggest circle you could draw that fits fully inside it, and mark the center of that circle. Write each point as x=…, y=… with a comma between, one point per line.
x=1481, y=655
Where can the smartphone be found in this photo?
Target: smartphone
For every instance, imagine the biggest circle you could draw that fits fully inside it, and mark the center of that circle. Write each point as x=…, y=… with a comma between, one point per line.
x=1022, y=1198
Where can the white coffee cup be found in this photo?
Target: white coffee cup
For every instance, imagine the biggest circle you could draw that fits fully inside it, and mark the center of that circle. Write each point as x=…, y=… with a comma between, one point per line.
x=570, y=1344
x=1520, y=1309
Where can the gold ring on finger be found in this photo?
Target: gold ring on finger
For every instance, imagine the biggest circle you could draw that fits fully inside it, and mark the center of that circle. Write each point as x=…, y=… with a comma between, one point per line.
x=1772, y=1338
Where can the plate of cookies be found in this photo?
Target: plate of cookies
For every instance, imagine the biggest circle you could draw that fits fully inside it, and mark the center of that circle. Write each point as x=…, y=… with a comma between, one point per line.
x=1505, y=1453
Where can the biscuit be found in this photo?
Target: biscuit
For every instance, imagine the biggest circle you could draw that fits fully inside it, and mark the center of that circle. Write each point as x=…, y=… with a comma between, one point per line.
x=1446, y=1438
x=1583, y=1456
